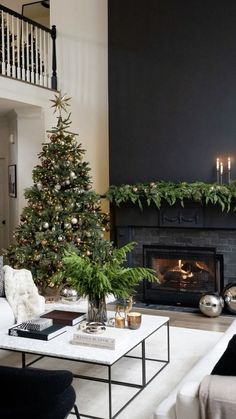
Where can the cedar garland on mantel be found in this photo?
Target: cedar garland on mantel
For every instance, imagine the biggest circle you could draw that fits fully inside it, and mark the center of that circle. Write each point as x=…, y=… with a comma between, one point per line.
x=160, y=192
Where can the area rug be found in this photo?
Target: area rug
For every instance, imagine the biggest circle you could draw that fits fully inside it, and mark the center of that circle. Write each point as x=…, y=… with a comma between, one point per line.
x=187, y=347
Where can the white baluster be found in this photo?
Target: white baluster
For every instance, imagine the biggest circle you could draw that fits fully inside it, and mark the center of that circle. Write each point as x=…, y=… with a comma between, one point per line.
x=44, y=60
x=8, y=48
x=13, y=47
x=36, y=57
x=27, y=53
x=18, y=48
x=40, y=57
x=3, y=46
x=23, y=49
x=49, y=71
x=32, y=53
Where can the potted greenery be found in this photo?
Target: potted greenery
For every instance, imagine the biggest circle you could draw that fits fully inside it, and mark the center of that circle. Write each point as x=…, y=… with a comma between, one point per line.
x=96, y=279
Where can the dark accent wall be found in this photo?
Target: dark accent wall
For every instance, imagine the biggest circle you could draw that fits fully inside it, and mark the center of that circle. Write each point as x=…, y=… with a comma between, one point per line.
x=172, y=89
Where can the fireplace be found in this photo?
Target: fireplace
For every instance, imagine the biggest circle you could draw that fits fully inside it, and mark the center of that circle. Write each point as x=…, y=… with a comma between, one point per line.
x=184, y=273
x=196, y=235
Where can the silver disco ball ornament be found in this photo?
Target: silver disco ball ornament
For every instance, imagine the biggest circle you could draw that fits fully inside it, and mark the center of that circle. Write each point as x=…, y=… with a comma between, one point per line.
x=211, y=305
x=229, y=295
x=69, y=295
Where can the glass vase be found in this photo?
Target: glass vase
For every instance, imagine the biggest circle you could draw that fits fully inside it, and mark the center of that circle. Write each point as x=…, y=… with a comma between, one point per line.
x=97, y=311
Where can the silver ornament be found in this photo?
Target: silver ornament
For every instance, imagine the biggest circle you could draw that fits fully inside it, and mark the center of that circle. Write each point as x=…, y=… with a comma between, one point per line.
x=45, y=225
x=72, y=175
x=229, y=295
x=57, y=187
x=39, y=186
x=67, y=182
x=74, y=220
x=211, y=305
x=69, y=295
x=60, y=238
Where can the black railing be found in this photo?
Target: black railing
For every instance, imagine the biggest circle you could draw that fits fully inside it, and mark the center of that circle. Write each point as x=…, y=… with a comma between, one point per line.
x=27, y=49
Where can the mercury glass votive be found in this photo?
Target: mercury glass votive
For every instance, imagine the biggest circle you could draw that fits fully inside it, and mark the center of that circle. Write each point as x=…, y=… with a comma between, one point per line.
x=134, y=320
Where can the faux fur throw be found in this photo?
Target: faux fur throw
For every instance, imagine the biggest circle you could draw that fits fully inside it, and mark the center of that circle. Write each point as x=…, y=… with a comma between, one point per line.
x=22, y=294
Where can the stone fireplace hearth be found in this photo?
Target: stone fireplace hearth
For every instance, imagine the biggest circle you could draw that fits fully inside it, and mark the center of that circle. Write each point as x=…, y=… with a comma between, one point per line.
x=196, y=231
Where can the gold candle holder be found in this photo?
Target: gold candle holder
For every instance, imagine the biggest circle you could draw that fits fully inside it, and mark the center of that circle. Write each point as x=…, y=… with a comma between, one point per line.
x=134, y=320
x=120, y=321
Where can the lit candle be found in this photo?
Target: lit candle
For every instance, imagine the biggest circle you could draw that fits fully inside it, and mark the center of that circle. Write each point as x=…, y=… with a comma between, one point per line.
x=120, y=321
x=217, y=164
x=134, y=320
x=221, y=168
x=229, y=163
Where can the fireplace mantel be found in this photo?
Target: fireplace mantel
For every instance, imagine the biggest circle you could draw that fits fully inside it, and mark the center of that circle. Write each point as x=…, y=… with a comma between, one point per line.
x=192, y=215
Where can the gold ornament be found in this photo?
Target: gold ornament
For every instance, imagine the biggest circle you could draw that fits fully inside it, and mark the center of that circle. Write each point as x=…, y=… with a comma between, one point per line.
x=60, y=102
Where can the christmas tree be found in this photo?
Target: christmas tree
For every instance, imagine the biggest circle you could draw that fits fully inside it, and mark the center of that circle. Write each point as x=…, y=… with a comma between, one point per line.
x=62, y=209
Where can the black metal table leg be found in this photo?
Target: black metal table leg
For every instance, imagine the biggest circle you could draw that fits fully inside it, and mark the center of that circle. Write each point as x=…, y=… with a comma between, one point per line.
x=143, y=364
x=168, y=341
x=109, y=390
x=23, y=359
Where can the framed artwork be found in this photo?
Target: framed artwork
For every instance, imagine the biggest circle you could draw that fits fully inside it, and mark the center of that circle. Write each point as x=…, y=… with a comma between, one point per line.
x=12, y=180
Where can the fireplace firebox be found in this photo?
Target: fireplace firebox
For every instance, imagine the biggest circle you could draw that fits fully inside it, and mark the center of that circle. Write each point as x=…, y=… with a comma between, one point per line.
x=184, y=273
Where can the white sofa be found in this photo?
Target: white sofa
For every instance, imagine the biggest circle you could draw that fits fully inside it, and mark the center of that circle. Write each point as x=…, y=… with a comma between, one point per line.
x=7, y=317
x=182, y=402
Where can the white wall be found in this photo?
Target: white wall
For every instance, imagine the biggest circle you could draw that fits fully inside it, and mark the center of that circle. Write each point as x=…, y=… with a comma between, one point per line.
x=30, y=133
x=83, y=74
x=82, y=71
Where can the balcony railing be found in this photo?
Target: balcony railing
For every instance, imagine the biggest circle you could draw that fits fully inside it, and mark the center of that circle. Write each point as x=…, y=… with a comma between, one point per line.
x=27, y=49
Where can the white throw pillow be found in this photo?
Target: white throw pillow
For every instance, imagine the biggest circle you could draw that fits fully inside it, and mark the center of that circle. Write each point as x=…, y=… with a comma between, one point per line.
x=22, y=294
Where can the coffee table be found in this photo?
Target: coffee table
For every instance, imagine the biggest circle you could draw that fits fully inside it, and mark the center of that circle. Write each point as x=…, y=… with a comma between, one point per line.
x=126, y=340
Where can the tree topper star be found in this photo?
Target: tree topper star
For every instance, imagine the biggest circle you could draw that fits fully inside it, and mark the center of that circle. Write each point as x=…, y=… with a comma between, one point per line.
x=60, y=102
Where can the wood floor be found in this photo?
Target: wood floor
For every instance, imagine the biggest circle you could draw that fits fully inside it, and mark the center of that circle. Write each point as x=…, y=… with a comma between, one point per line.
x=191, y=320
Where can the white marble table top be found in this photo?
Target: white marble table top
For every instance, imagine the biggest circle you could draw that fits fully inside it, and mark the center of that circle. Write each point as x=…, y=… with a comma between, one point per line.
x=61, y=347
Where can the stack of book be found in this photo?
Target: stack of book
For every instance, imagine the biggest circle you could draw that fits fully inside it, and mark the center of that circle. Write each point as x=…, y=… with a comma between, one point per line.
x=69, y=318
x=47, y=326
x=48, y=333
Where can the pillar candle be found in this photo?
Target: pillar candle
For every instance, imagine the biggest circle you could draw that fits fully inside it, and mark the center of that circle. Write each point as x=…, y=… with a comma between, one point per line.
x=221, y=168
